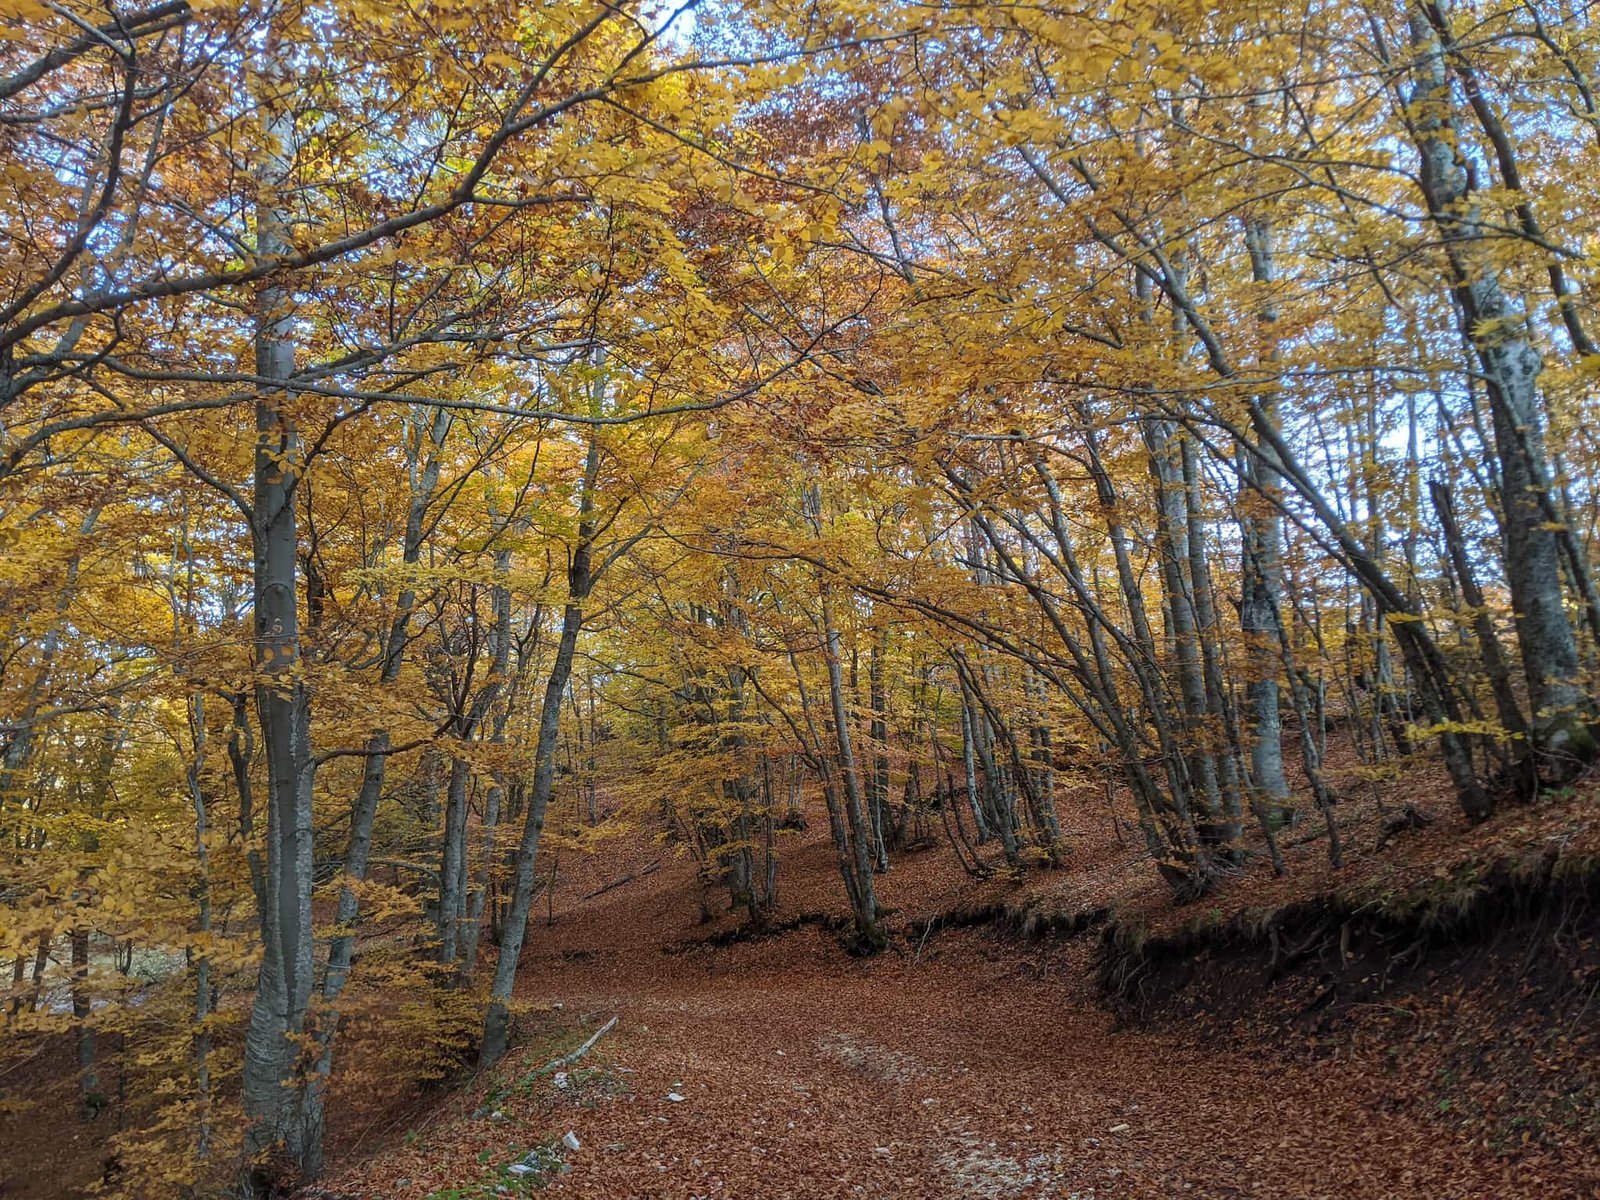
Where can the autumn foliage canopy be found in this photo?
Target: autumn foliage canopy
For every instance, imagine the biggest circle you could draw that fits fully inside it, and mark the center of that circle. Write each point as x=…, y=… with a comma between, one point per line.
x=436, y=436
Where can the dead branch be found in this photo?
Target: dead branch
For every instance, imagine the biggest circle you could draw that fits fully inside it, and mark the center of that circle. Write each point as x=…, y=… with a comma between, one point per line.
x=616, y=883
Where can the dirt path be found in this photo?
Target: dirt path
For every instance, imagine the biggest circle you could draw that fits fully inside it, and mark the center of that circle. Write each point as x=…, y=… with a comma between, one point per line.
x=975, y=1069
x=961, y=1078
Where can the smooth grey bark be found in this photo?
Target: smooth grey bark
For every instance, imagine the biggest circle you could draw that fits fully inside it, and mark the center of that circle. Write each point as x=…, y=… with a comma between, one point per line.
x=1019, y=769
x=969, y=763
x=1499, y=333
x=1218, y=703
x=1046, y=834
x=1139, y=652
x=422, y=472
x=241, y=758
x=497, y=1023
x=1311, y=758
x=769, y=883
x=1043, y=771
x=847, y=826
x=423, y=468
x=815, y=756
x=472, y=929
x=741, y=873
x=1175, y=559
x=747, y=887
x=283, y=1116
x=1261, y=595
x=1504, y=156
x=272, y=1095
x=1167, y=831
x=944, y=799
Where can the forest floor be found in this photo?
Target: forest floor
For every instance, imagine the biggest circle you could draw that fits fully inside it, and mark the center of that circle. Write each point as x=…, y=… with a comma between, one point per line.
x=968, y=1062
x=1421, y=1022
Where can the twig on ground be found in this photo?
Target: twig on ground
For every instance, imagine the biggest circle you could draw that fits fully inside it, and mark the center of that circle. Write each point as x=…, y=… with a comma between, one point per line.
x=616, y=883
x=566, y=1060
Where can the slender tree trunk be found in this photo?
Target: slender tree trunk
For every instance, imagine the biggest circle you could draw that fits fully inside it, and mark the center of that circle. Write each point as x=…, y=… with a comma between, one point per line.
x=1218, y=705
x=1001, y=819
x=879, y=732
x=452, y=897
x=1261, y=533
x=497, y=1023
x=969, y=762
x=1490, y=653
x=1173, y=555
x=869, y=930
x=494, y=799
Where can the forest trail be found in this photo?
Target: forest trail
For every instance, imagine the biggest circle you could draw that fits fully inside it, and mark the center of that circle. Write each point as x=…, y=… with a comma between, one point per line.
x=978, y=1068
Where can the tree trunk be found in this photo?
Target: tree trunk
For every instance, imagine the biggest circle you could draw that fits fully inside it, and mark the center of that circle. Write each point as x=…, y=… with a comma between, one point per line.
x=1489, y=651
x=1261, y=534
x=452, y=897
x=497, y=1022
x=869, y=929
x=969, y=763
x=1499, y=333
x=879, y=733
x=284, y=1118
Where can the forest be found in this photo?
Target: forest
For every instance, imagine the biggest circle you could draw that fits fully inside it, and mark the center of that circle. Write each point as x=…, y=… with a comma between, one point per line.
x=1053, y=541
